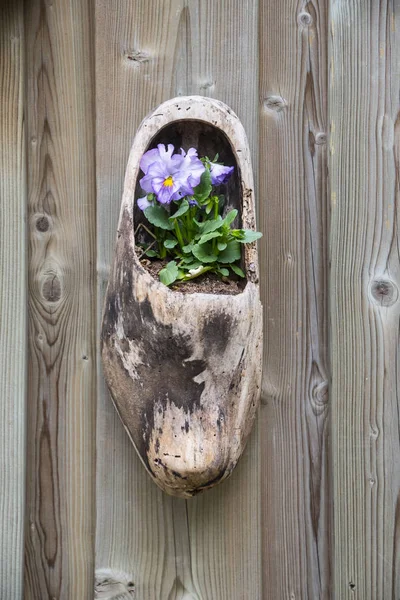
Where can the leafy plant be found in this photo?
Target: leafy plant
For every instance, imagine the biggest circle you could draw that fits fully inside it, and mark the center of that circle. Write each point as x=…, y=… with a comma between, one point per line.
x=185, y=213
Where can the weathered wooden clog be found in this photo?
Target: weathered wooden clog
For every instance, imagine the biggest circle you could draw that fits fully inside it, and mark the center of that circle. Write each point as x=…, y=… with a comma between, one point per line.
x=184, y=370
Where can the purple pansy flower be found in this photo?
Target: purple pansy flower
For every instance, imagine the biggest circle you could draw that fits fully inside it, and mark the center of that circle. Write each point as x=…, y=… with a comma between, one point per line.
x=170, y=176
x=219, y=173
x=191, y=166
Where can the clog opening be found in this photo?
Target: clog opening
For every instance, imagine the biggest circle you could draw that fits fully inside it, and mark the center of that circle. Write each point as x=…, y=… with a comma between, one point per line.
x=209, y=141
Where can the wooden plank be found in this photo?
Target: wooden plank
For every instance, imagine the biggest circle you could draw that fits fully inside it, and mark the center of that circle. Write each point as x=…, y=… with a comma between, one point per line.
x=365, y=281
x=61, y=380
x=294, y=266
x=12, y=299
x=208, y=547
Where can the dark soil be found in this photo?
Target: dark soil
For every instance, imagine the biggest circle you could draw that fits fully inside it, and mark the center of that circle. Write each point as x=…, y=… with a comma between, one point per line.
x=209, y=283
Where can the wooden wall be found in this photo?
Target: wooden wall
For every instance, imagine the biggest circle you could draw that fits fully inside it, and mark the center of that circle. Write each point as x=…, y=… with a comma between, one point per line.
x=312, y=510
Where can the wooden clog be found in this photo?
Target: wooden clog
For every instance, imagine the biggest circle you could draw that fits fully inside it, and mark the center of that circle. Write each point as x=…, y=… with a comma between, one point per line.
x=184, y=370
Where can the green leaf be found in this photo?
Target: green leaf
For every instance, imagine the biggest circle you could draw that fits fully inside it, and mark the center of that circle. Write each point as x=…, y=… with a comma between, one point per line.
x=187, y=249
x=237, y=270
x=169, y=274
x=170, y=243
x=186, y=260
x=158, y=216
x=230, y=217
x=192, y=265
x=151, y=253
x=249, y=236
x=203, y=252
x=231, y=254
x=209, y=236
x=224, y=272
x=184, y=207
x=203, y=190
x=221, y=246
x=212, y=225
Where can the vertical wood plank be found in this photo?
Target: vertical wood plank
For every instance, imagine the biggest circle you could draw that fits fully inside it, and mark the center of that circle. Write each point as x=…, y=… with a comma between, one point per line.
x=365, y=306
x=12, y=299
x=224, y=524
x=206, y=548
x=294, y=265
x=61, y=381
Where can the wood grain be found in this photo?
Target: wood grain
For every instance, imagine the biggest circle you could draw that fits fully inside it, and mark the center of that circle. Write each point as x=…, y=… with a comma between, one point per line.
x=294, y=268
x=206, y=548
x=61, y=381
x=365, y=280
x=12, y=299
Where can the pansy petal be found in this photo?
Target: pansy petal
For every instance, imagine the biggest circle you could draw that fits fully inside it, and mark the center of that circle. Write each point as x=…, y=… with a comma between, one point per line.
x=165, y=150
x=167, y=157
x=148, y=159
x=143, y=203
x=159, y=169
x=145, y=184
x=197, y=170
x=178, y=195
x=165, y=194
x=192, y=152
x=157, y=184
x=185, y=189
x=190, y=171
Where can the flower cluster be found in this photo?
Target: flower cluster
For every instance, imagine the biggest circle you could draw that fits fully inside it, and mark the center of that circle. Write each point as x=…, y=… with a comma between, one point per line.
x=172, y=176
x=186, y=215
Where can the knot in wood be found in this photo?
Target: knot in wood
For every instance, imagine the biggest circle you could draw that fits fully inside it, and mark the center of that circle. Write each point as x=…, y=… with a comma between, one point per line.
x=42, y=223
x=51, y=289
x=110, y=583
x=320, y=138
x=304, y=19
x=374, y=433
x=320, y=393
x=384, y=292
x=275, y=103
x=207, y=85
x=136, y=57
